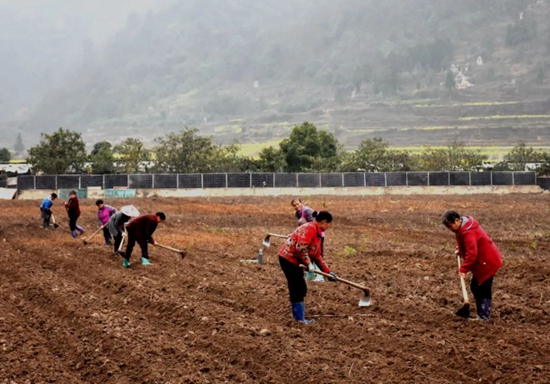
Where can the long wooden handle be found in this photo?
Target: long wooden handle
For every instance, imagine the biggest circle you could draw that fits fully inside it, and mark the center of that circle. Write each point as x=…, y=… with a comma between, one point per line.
x=276, y=235
x=95, y=233
x=122, y=241
x=351, y=283
x=463, y=284
x=169, y=248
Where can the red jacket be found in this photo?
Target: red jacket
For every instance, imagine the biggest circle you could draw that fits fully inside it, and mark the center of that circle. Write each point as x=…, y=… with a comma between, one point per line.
x=73, y=207
x=142, y=228
x=304, y=245
x=481, y=255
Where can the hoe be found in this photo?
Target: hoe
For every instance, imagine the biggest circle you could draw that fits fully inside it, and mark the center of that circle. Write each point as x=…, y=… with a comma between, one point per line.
x=267, y=241
x=93, y=234
x=364, y=301
x=182, y=253
x=465, y=310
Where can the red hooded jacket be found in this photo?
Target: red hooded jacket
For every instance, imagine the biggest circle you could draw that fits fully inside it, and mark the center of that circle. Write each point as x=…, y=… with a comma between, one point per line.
x=304, y=245
x=481, y=255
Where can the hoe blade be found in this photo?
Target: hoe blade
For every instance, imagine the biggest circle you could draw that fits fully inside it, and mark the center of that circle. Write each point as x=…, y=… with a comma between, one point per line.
x=365, y=301
x=464, y=311
x=267, y=242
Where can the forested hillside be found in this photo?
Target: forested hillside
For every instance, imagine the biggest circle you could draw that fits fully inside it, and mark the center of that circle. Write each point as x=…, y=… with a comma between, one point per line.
x=248, y=69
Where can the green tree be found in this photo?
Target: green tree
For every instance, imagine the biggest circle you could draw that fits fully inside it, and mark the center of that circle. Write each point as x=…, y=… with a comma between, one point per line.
x=62, y=152
x=307, y=149
x=102, y=158
x=227, y=159
x=544, y=167
x=132, y=155
x=5, y=155
x=374, y=155
x=185, y=152
x=520, y=155
x=271, y=160
x=371, y=155
x=19, y=147
x=454, y=157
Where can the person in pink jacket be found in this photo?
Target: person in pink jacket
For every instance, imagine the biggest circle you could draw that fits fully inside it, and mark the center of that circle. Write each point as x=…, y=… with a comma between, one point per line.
x=104, y=213
x=480, y=256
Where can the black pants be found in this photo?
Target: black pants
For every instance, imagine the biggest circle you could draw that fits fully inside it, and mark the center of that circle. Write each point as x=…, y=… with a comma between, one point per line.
x=106, y=234
x=72, y=222
x=46, y=216
x=297, y=287
x=118, y=240
x=483, y=291
x=131, y=243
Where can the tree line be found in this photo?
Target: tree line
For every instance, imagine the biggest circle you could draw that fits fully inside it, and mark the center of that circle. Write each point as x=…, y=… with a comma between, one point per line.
x=307, y=149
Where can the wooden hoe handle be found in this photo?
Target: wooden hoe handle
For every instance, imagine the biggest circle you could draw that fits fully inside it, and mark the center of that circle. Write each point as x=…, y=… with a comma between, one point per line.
x=351, y=283
x=463, y=284
x=169, y=248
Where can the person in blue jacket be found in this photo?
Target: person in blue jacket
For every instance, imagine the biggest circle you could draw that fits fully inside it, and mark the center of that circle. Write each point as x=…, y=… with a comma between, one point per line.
x=46, y=209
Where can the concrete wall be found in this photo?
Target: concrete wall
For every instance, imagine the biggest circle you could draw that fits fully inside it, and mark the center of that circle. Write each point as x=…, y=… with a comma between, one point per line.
x=355, y=191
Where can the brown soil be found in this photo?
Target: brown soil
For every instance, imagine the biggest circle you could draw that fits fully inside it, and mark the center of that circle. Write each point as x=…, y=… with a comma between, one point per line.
x=70, y=313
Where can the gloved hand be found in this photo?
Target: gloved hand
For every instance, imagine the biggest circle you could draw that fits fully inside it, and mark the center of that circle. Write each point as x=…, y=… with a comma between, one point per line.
x=310, y=267
x=334, y=278
x=124, y=234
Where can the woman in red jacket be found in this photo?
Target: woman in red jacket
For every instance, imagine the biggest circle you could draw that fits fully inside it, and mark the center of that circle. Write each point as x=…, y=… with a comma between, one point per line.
x=303, y=247
x=73, y=210
x=480, y=256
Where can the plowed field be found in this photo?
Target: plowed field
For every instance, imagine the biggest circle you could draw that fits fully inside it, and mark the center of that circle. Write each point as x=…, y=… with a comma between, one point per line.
x=70, y=313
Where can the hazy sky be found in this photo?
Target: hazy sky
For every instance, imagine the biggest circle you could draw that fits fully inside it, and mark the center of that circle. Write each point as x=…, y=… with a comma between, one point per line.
x=98, y=18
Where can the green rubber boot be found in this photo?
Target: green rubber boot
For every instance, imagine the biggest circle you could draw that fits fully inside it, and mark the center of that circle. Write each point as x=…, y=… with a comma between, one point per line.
x=126, y=264
x=145, y=261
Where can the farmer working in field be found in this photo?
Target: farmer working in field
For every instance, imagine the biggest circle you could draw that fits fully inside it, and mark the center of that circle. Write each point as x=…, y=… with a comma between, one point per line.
x=480, y=256
x=104, y=213
x=141, y=230
x=46, y=209
x=304, y=214
x=303, y=246
x=73, y=210
x=117, y=222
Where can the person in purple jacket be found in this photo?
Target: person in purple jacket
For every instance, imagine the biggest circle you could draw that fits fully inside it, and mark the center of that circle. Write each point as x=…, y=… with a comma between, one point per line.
x=303, y=213
x=104, y=213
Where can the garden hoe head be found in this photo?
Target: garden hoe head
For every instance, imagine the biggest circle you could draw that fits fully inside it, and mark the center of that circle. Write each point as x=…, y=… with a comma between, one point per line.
x=365, y=301
x=55, y=225
x=267, y=239
x=464, y=311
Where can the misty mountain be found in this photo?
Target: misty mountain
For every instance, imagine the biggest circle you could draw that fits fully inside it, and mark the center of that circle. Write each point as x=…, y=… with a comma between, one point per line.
x=202, y=63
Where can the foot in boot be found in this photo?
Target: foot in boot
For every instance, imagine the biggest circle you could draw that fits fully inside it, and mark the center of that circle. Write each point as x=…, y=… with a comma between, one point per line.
x=477, y=318
x=145, y=261
x=73, y=234
x=126, y=264
x=298, y=312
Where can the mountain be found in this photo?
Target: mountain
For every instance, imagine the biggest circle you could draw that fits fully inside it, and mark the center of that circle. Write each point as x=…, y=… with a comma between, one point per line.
x=247, y=70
